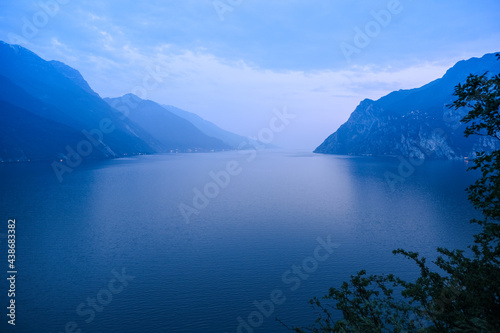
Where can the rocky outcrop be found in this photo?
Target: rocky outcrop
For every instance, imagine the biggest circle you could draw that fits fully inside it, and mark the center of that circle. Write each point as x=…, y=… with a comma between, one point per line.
x=414, y=123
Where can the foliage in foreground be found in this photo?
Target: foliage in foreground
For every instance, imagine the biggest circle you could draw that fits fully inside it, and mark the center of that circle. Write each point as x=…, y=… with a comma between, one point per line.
x=464, y=295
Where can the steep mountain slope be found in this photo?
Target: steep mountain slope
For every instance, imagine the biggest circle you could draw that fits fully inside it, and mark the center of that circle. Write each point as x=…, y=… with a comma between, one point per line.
x=174, y=132
x=28, y=137
x=24, y=135
x=415, y=122
x=58, y=93
x=73, y=75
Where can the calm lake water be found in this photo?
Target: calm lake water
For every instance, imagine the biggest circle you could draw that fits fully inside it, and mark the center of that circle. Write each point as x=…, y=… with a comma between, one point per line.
x=108, y=249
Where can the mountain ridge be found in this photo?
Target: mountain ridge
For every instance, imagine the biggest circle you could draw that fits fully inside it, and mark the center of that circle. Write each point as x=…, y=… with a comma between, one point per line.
x=174, y=132
x=414, y=122
x=209, y=128
x=59, y=99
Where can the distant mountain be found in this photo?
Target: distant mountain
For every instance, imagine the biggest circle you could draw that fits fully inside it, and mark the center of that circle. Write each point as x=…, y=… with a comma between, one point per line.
x=58, y=94
x=415, y=122
x=208, y=127
x=174, y=132
x=49, y=112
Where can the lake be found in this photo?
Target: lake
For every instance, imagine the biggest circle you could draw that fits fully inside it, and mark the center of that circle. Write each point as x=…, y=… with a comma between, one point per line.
x=216, y=242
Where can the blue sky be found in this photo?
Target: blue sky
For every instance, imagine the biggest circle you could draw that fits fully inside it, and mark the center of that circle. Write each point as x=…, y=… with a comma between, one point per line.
x=235, y=61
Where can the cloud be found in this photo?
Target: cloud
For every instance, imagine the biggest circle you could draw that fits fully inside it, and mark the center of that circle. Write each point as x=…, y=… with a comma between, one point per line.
x=240, y=96
x=265, y=54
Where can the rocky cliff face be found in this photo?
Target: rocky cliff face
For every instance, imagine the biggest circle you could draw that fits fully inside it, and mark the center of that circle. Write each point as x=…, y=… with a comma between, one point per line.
x=414, y=123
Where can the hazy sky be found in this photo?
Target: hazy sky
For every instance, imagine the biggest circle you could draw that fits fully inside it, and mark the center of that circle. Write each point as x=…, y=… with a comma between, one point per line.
x=234, y=61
